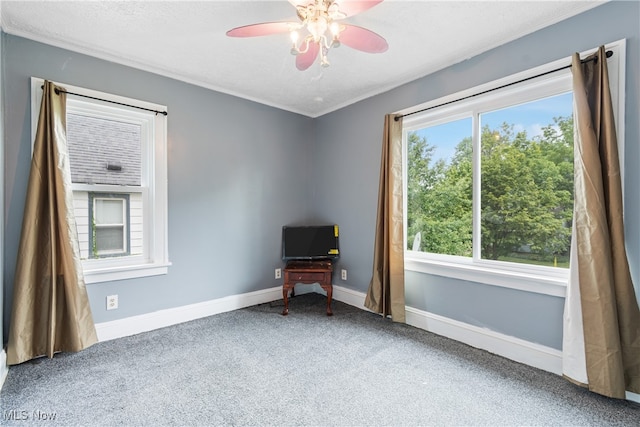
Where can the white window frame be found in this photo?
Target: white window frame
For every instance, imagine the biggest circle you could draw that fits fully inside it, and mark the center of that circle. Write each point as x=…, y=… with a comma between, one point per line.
x=532, y=278
x=155, y=257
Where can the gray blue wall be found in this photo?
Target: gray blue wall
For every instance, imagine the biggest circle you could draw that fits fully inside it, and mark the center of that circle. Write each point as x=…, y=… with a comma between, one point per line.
x=238, y=171
x=348, y=146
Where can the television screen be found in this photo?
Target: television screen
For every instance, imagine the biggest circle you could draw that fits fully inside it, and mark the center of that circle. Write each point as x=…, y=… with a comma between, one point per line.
x=310, y=242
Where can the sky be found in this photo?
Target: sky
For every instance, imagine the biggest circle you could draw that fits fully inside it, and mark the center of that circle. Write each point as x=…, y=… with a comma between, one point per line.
x=530, y=117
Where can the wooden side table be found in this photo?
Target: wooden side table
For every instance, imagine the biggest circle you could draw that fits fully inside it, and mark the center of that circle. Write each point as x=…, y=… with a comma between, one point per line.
x=307, y=272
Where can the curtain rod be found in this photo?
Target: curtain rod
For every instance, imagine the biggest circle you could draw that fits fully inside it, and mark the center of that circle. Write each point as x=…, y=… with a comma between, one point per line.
x=594, y=58
x=57, y=91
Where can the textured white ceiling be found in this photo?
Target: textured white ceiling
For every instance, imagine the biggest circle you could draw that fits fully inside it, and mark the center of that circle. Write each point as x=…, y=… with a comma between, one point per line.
x=186, y=40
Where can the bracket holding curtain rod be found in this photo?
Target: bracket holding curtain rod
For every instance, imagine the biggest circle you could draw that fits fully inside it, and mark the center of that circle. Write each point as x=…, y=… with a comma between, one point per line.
x=609, y=54
x=57, y=91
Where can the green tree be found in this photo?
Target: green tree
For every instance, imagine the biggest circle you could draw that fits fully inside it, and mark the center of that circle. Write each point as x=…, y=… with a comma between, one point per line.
x=419, y=175
x=439, y=198
x=525, y=202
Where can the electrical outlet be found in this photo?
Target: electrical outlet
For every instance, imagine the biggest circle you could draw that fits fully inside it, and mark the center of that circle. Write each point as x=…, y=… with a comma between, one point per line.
x=343, y=274
x=112, y=302
x=278, y=273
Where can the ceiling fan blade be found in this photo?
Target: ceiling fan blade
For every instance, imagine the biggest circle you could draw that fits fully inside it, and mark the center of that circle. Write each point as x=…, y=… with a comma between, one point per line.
x=304, y=60
x=263, y=29
x=353, y=7
x=362, y=39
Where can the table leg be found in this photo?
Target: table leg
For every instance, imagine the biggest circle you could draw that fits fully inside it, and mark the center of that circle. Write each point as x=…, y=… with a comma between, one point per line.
x=285, y=295
x=329, y=295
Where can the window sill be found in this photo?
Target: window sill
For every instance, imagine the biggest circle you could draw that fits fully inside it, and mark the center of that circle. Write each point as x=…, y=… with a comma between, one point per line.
x=99, y=275
x=555, y=285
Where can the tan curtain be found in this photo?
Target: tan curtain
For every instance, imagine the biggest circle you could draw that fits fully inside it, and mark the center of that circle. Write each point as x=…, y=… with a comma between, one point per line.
x=50, y=310
x=602, y=323
x=386, y=289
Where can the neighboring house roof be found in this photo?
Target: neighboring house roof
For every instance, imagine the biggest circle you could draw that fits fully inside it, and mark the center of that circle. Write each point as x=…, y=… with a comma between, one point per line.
x=103, y=151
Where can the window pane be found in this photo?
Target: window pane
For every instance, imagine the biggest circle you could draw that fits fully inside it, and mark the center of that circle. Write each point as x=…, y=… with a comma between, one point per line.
x=103, y=151
x=109, y=211
x=527, y=182
x=109, y=239
x=439, y=189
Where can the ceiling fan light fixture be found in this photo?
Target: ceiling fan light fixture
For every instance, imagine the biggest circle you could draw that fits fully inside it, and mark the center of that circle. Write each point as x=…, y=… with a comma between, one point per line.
x=317, y=27
x=334, y=11
x=318, y=19
x=304, y=47
x=334, y=28
x=335, y=31
x=294, y=40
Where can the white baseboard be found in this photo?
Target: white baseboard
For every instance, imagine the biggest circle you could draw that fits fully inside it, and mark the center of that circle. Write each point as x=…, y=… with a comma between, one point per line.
x=172, y=316
x=532, y=354
x=349, y=296
x=536, y=355
x=633, y=397
x=4, y=369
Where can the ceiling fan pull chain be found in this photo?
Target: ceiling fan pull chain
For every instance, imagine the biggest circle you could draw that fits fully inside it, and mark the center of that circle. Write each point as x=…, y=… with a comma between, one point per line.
x=324, y=62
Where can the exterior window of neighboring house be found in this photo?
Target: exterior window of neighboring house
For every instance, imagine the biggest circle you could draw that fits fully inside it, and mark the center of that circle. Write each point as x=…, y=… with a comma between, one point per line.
x=489, y=182
x=109, y=232
x=117, y=155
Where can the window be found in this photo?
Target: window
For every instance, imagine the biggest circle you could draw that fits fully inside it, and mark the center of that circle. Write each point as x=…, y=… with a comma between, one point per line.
x=109, y=232
x=117, y=155
x=489, y=182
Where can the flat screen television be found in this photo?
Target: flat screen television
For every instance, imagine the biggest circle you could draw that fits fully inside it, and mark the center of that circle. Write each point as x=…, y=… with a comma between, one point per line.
x=310, y=242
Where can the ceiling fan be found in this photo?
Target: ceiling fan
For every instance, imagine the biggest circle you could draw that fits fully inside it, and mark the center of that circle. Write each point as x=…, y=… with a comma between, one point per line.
x=320, y=20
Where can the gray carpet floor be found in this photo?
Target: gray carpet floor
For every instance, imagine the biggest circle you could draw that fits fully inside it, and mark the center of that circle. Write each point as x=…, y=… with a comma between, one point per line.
x=255, y=367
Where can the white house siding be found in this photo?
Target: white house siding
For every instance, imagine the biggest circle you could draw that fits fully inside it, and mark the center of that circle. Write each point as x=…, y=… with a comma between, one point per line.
x=135, y=223
x=81, y=210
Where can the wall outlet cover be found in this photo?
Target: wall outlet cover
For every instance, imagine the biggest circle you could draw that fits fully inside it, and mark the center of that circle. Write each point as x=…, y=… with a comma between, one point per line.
x=112, y=302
